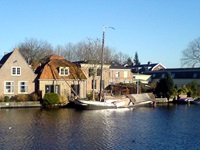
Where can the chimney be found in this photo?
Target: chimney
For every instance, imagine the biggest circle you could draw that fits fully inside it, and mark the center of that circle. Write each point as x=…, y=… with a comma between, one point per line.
x=149, y=63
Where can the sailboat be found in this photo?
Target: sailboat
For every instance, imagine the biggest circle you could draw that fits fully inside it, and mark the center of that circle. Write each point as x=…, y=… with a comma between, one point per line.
x=129, y=101
x=114, y=102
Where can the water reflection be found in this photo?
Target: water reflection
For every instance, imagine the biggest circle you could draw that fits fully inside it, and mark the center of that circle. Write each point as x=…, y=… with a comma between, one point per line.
x=163, y=127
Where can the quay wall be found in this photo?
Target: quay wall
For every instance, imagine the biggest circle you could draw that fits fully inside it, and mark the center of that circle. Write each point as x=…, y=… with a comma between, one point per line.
x=20, y=104
x=162, y=100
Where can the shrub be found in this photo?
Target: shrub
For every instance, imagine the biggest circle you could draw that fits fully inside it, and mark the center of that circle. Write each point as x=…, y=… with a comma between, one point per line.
x=89, y=96
x=50, y=99
x=6, y=99
x=64, y=99
x=20, y=98
x=33, y=97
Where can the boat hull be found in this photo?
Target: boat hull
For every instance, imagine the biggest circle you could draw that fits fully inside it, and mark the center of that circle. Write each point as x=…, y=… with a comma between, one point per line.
x=95, y=105
x=92, y=105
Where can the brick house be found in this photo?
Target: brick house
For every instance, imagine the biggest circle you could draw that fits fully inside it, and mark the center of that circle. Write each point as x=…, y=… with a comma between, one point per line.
x=16, y=77
x=60, y=76
x=92, y=71
x=120, y=74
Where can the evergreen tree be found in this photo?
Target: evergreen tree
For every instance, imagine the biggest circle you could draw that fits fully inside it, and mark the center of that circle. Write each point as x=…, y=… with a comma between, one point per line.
x=165, y=86
x=170, y=85
x=136, y=59
x=129, y=62
x=193, y=88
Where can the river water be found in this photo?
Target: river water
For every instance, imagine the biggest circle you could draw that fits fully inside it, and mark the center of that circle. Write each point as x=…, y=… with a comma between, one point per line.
x=164, y=127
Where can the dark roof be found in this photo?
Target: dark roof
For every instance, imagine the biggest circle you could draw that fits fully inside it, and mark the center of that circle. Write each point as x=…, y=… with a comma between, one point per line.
x=143, y=67
x=116, y=65
x=5, y=57
x=146, y=65
x=78, y=63
x=176, y=73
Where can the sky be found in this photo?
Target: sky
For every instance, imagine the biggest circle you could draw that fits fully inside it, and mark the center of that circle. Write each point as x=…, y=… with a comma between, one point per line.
x=158, y=30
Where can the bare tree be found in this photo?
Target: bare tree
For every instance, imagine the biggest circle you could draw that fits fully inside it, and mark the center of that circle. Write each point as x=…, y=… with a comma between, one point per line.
x=121, y=57
x=68, y=51
x=191, y=55
x=33, y=50
x=88, y=49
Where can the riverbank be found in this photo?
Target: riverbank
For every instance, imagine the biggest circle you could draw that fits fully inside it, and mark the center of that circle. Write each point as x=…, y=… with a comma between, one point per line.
x=28, y=104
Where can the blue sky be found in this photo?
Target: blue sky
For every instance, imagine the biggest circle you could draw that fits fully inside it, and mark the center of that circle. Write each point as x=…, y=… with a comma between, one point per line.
x=158, y=30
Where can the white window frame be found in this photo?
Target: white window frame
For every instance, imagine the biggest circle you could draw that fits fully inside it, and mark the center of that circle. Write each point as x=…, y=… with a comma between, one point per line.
x=117, y=74
x=12, y=87
x=16, y=73
x=125, y=74
x=20, y=87
x=64, y=71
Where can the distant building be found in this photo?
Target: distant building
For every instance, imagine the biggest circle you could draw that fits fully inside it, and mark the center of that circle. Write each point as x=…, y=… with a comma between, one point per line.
x=147, y=67
x=180, y=76
x=92, y=71
x=119, y=74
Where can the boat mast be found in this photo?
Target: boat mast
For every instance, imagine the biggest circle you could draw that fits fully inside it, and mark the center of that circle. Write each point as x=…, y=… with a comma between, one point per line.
x=102, y=62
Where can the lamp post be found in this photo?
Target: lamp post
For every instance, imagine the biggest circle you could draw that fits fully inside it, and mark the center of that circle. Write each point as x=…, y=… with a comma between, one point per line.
x=102, y=61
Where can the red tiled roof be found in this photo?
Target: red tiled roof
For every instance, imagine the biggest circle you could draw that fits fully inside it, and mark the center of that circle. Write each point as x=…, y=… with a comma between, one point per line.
x=51, y=69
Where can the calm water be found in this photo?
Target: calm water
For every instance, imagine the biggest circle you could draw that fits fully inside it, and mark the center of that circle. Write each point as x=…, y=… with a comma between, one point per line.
x=164, y=127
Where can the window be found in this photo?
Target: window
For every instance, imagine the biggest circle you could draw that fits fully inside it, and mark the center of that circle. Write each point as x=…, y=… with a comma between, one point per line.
x=91, y=72
x=49, y=89
x=64, y=71
x=195, y=75
x=52, y=89
x=16, y=71
x=125, y=74
x=163, y=75
x=8, y=87
x=23, y=87
x=117, y=74
x=94, y=84
x=98, y=72
x=173, y=75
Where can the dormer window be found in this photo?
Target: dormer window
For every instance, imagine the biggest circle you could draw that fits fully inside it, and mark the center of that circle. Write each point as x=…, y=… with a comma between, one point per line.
x=16, y=71
x=64, y=71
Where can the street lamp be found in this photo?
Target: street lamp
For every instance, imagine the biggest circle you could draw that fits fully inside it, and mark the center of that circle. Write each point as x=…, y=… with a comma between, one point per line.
x=102, y=61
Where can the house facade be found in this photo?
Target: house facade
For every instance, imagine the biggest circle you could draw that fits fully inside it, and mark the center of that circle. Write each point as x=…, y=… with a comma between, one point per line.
x=16, y=77
x=180, y=76
x=62, y=77
x=119, y=74
x=92, y=71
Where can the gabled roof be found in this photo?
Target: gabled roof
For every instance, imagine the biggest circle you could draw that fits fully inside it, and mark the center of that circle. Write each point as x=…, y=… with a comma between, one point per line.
x=50, y=69
x=146, y=67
